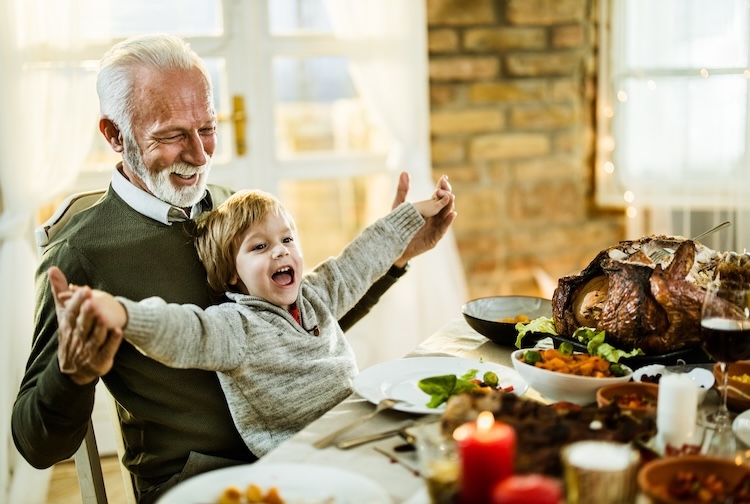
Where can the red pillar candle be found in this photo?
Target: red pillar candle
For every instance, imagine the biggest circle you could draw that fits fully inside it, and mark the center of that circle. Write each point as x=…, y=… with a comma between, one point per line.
x=487, y=450
x=528, y=488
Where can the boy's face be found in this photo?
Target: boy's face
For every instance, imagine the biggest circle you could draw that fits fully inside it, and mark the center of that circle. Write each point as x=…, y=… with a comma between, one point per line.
x=269, y=261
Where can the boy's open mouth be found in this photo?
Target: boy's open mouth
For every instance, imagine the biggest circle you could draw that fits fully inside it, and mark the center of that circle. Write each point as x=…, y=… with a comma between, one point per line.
x=284, y=276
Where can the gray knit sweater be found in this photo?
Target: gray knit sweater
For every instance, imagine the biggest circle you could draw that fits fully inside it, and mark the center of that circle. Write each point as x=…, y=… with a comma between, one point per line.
x=278, y=376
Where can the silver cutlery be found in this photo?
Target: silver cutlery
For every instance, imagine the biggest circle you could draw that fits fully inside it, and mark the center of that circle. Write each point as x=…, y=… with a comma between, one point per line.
x=381, y=406
x=351, y=443
x=658, y=255
x=398, y=460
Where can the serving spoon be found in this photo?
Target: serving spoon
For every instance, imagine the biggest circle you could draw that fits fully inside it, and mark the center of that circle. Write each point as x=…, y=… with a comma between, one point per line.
x=658, y=255
x=330, y=438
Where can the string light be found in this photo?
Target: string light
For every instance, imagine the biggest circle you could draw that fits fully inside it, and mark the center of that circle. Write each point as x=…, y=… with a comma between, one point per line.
x=609, y=167
x=629, y=197
x=607, y=143
x=704, y=72
x=622, y=96
x=631, y=212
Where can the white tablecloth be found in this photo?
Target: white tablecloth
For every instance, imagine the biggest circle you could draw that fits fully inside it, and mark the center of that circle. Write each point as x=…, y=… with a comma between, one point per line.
x=456, y=339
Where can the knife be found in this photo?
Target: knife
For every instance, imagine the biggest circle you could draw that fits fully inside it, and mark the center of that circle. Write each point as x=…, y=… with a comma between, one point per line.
x=351, y=443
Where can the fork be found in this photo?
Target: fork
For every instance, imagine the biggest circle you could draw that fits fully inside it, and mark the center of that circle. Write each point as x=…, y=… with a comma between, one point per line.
x=658, y=255
x=330, y=438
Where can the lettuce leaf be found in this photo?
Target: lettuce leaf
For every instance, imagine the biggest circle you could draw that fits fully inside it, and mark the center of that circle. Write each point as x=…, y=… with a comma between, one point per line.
x=538, y=325
x=595, y=345
x=440, y=388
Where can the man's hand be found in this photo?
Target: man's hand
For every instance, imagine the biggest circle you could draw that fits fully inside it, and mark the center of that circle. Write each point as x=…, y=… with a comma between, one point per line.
x=86, y=349
x=435, y=227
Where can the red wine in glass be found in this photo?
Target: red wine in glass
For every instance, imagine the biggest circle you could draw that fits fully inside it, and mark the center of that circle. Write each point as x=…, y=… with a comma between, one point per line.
x=725, y=333
x=726, y=340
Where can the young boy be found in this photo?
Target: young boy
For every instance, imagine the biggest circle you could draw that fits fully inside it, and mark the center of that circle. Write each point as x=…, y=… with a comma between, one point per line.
x=282, y=358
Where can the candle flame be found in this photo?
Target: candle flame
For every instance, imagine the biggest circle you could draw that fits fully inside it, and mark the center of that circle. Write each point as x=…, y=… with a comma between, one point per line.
x=485, y=421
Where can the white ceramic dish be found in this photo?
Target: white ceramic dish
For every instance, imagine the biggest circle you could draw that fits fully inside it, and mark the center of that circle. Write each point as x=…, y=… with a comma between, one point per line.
x=398, y=379
x=296, y=483
x=741, y=427
x=703, y=378
x=560, y=386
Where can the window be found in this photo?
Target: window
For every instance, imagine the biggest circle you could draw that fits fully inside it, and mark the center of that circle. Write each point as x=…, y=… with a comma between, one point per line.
x=308, y=130
x=673, y=115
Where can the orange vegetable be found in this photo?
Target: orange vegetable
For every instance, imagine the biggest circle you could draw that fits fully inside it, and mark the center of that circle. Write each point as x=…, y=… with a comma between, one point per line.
x=575, y=364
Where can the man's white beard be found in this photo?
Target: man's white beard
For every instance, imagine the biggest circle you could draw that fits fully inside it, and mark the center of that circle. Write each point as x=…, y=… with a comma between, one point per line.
x=159, y=184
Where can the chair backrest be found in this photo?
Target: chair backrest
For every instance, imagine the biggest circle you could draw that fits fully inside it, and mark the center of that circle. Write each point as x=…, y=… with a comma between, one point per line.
x=67, y=209
x=87, y=460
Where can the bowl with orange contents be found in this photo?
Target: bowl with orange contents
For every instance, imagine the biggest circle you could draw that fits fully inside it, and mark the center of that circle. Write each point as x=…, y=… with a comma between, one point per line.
x=738, y=392
x=637, y=398
x=572, y=377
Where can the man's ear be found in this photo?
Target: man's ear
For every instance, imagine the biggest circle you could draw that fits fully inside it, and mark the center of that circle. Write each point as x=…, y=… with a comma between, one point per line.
x=112, y=133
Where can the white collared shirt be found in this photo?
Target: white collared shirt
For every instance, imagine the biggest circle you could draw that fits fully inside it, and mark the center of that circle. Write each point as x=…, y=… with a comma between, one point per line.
x=152, y=207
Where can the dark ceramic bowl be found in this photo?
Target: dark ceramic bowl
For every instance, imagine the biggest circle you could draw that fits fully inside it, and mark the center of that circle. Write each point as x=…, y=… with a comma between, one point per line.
x=644, y=397
x=486, y=315
x=655, y=476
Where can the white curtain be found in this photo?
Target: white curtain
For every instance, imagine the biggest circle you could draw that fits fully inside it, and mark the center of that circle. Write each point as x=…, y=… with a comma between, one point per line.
x=675, y=114
x=389, y=70
x=680, y=100
x=46, y=126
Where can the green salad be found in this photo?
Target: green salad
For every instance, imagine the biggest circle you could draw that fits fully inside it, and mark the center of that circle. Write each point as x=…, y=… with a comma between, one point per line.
x=593, y=339
x=440, y=388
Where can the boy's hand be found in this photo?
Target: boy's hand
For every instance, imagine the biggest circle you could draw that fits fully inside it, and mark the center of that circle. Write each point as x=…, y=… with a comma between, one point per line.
x=86, y=348
x=435, y=227
x=441, y=199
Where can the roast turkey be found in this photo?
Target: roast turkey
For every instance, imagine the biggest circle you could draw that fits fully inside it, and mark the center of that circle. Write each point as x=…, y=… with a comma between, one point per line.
x=641, y=304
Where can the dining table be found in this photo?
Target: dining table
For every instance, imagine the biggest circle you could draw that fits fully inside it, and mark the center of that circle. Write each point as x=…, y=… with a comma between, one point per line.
x=383, y=461
x=397, y=472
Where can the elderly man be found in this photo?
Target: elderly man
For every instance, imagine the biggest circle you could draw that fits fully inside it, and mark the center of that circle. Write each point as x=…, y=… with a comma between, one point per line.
x=156, y=111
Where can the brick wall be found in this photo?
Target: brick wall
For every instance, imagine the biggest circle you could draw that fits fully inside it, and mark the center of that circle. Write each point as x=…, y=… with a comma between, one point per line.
x=512, y=93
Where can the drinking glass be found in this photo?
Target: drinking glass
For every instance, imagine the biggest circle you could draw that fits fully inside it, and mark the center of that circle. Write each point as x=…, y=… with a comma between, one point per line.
x=725, y=333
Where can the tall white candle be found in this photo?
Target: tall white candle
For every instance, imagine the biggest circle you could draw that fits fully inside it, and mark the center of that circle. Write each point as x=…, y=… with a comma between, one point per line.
x=676, y=410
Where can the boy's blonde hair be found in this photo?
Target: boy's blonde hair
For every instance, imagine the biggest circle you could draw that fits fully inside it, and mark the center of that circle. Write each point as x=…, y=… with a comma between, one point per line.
x=220, y=231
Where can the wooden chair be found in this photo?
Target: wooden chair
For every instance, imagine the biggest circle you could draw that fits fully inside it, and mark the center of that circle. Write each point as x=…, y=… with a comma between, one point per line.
x=87, y=460
x=67, y=209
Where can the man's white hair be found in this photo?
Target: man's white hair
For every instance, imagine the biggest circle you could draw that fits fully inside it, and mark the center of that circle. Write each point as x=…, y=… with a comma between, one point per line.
x=117, y=68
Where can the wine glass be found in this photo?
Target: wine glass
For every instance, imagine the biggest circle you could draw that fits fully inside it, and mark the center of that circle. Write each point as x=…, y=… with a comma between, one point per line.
x=725, y=333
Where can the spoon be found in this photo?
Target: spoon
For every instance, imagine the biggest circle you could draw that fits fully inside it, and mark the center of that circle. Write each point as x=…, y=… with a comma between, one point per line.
x=660, y=254
x=381, y=406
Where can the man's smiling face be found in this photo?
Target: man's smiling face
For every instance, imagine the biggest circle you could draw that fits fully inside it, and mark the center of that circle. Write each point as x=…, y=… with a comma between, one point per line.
x=174, y=136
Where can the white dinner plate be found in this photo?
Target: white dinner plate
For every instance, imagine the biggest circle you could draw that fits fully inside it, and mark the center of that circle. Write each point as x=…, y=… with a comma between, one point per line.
x=741, y=427
x=296, y=483
x=398, y=379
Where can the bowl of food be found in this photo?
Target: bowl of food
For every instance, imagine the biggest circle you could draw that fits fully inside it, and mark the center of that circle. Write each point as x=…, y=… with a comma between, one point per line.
x=694, y=478
x=702, y=377
x=635, y=397
x=738, y=392
x=496, y=317
x=571, y=378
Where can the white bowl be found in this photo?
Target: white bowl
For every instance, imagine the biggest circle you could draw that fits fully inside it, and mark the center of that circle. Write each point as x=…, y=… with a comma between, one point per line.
x=703, y=378
x=563, y=387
